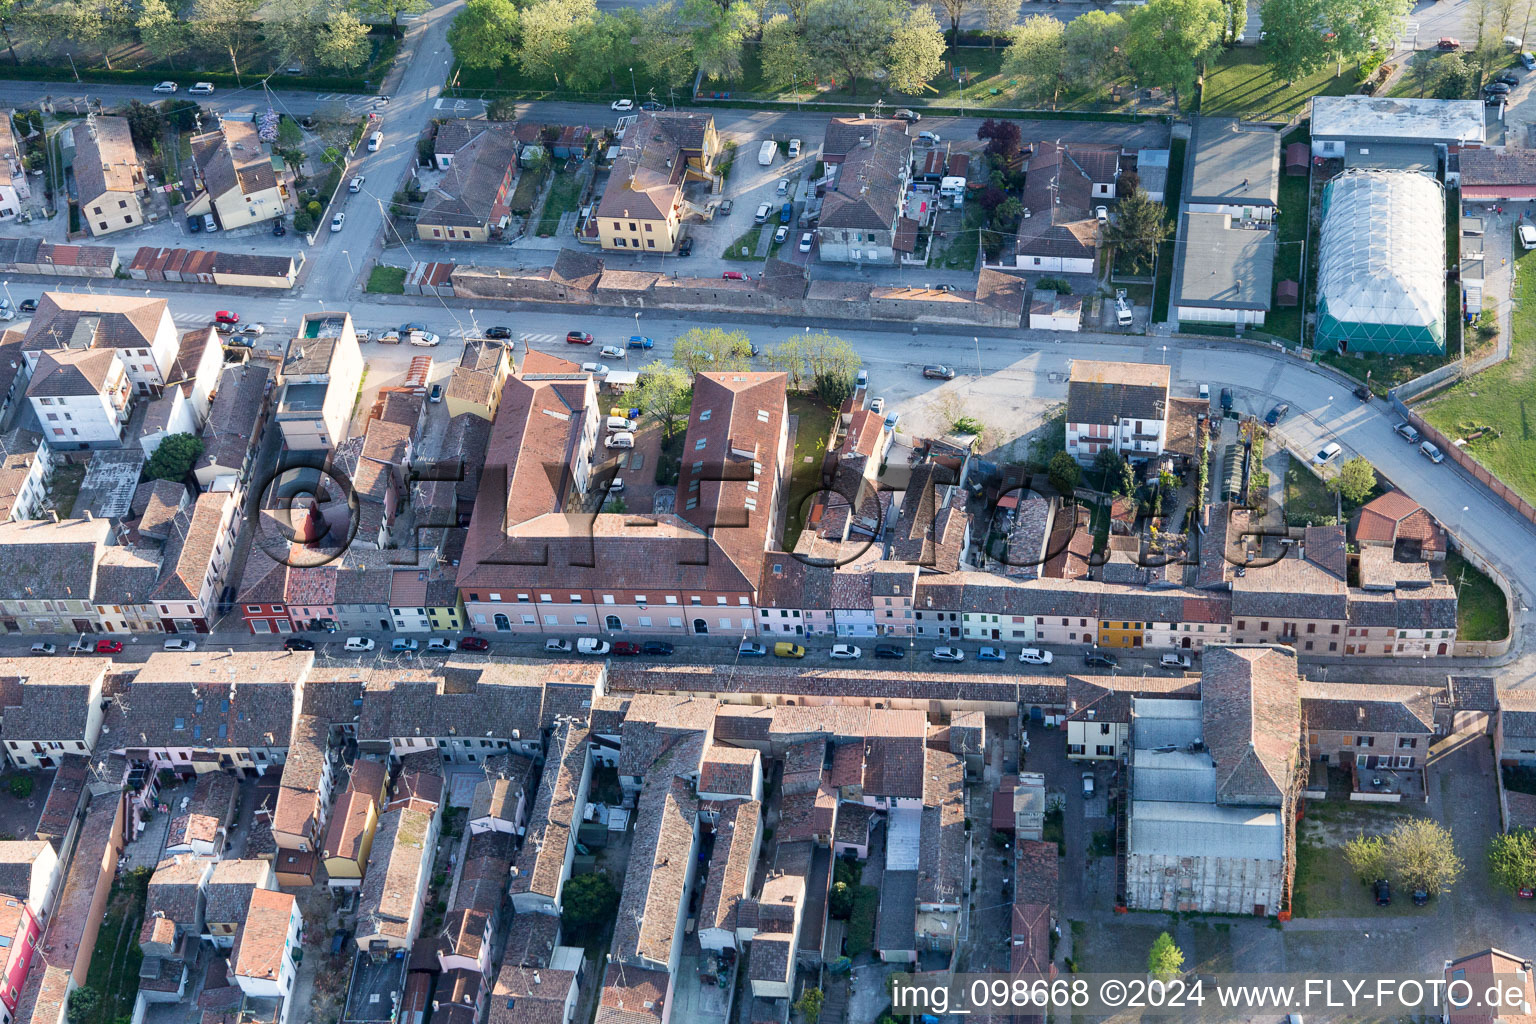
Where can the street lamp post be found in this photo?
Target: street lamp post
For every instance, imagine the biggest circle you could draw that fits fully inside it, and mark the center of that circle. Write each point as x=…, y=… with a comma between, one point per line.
x=351, y=271
x=637, y=334
x=72, y=67
x=633, y=88
x=8, y=301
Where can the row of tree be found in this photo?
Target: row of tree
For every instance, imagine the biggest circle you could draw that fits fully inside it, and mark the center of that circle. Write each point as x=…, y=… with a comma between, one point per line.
x=327, y=34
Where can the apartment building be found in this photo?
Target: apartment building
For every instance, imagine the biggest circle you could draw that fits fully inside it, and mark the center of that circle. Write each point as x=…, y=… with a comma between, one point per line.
x=318, y=382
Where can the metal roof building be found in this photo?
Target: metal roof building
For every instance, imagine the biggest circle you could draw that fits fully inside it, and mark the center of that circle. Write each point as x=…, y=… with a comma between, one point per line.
x=1381, y=264
x=1228, y=271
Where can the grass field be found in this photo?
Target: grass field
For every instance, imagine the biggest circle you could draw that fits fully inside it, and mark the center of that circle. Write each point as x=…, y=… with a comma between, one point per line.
x=1172, y=190
x=564, y=197
x=1481, y=612
x=387, y=280
x=815, y=424
x=1307, y=499
x=1242, y=85
x=114, y=972
x=1325, y=887
x=1502, y=397
x=1285, y=321
x=748, y=240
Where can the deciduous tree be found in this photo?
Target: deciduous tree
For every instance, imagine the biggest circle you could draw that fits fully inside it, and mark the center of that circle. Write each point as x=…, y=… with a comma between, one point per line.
x=719, y=34
x=341, y=39
x=173, y=458
x=955, y=8
x=784, y=54
x=662, y=393
x=372, y=10
x=712, y=348
x=1362, y=26
x=1422, y=855
x=226, y=25
x=916, y=53
x=606, y=44
x=1168, y=42
x=1355, y=480
x=1454, y=79
x=1037, y=56
x=1000, y=16
x=666, y=44
x=163, y=34
x=1004, y=140
x=1512, y=859
x=1164, y=960
x=1064, y=473
x=547, y=30
x=1366, y=856
x=849, y=38
x=484, y=32
x=1094, y=42
x=587, y=904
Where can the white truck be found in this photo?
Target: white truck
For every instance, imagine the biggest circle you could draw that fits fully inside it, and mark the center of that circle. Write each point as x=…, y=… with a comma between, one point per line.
x=765, y=154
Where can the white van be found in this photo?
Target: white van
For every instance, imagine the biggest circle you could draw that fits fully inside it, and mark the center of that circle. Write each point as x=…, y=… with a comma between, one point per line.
x=623, y=439
x=375, y=141
x=621, y=423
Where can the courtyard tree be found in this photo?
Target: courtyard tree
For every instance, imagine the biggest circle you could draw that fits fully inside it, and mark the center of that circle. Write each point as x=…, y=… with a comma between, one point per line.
x=1037, y=57
x=820, y=362
x=808, y=1006
x=173, y=458
x=145, y=124
x=849, y=38
x=588, y=903
x=1165, y=960
x=484, y=32
x=1094, y=42
x=1512, y=860
x=1454, y=80
x=1064, y=473
x=662, y=393
x=1355, y=481
x=1366, y=856
x=916, y=53
x=1422, y=855
x=1138, y=229
x=1004, y=140
x=1168, y=42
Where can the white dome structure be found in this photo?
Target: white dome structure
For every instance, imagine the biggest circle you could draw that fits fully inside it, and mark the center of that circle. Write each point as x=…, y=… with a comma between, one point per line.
x=1381, y=264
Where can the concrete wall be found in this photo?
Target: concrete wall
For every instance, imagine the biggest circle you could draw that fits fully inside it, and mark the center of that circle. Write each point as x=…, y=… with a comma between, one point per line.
x=1220, y=885
x=513, y=285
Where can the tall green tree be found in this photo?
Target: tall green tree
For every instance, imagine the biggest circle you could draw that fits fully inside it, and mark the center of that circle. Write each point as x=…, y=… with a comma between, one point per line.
x=1000, y=16
x=548, y=28
x=666, y=44
x=1168, y=42
x=1512, y=859
x=1454, y=80
x=173, y=458
x=1421, y=854
x=606, y=44
x=1360, y=27
x=341, y=39
x=1356, y=479
x=1139, y=227
x=719, y=35
x=916, y=53
x=1294, y=38
x=484, y=33
x=785, y=56
x=956, y=8
x=588, y=903
x=1094, y=41
x=1236, y=14
x=1037, y=57
x=712, y=348
x=1366, y=856
x=1064, y=473
x=163, y=34
x=1164, y=960
x=226, y=25
x=8, y=12
x=145, y=124
x=849, y=38
x=662, y=393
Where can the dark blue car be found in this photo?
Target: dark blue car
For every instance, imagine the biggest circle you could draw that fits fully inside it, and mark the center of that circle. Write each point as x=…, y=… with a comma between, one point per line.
x=786, y=212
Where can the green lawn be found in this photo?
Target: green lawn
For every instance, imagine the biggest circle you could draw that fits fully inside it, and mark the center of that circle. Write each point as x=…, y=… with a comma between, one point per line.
x=861, y=924
x=1172, y=190
x=1501, y=397
x=748, y=240
x=387, y=280
x=114, y=972
x=1481, y=612
x=564, y=197
x=960, y=251
x=815, y=424
x=528, y=185
x=1325, y=887
x=1241, y=84
x=1285, y=322
x=1307, y=499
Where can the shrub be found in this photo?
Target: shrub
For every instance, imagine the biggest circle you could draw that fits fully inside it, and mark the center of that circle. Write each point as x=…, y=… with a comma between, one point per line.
x=21, y=786
x=303, y=223
x=313, y=208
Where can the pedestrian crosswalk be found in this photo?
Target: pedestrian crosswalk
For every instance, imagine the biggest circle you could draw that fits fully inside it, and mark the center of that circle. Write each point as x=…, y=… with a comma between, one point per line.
x=538, y=340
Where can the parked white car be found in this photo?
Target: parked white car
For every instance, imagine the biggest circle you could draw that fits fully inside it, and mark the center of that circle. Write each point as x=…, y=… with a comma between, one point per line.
x=592, y=645
x=185, y=646
x=166, y=87
x=1174, y=661
x=794, y=148
x=1331, y=451
x=337, y=221
x=356, y=184
x=438, y=643
x=601, y=369
x=846, y=651
x=622, y=105
x=1528, y=236
x=201, y=89
x=948, y=654
x=425, y=339
x=558, y=646
x=611, y=352
x=1035, y=656
x=358, y=643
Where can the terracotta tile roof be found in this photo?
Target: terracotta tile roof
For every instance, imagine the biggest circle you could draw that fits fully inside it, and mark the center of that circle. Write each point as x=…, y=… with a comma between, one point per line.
x=299, y=801
x=808, y=815
x=105, y=160
x=233, y=415
x=108, y=321
x=173, y=892
x=389, y=895
x=65, y=797
x=867, y=192
x=941, y=845
x=631, y=995
x=531, y=940
x=1102, y=392
x=54, y=708
x=729, y=878
x=1252, y=722
x=541, y=860
x=257, y=711
x=659, y=865
x=526, y=996
x=227, y=892
x=893, y=767
x=468, y=192
x=73, y=373
x=655, y=723
x=1372, y=707
x=233, y=157
x=189, y=551
x=349, y=823
x=728, y=771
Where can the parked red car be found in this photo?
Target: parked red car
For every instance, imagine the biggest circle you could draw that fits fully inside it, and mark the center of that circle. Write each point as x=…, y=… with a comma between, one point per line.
x=109, y=647
x=626, y=647
x=578, y=338
x=224, y=316
x=734, y=275
x=1449, y=43
x=474, y=643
